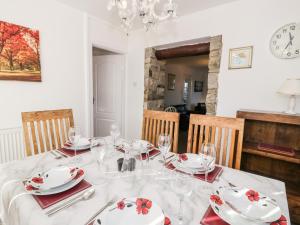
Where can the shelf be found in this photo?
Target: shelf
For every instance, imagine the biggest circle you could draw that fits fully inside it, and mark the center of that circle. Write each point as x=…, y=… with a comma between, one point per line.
x=252, y=148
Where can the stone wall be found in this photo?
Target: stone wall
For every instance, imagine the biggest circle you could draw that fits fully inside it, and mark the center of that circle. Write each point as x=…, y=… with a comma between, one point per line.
x=213, y=74
x=155, y=75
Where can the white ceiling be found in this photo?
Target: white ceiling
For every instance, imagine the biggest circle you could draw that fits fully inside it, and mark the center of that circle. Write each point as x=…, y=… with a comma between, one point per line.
x=98, y=8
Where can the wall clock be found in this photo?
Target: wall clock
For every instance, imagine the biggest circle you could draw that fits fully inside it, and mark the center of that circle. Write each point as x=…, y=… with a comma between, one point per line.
x=285, y=43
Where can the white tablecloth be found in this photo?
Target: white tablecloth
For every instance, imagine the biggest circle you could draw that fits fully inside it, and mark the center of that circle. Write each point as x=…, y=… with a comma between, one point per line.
x=26, y=211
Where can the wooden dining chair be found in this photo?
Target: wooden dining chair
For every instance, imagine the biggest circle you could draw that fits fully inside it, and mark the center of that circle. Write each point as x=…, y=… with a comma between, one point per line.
x=225, y=133
x=158, y=122
x=46, y=130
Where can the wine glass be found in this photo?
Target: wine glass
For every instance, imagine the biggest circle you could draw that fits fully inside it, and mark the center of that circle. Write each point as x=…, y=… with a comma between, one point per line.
x=183, y=186
x=114, y=133
x=99, y=152
x=74, y=137
x=208, y=153
x=164, y=145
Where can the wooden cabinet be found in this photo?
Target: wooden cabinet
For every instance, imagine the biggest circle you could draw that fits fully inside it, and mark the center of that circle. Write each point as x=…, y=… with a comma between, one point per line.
x=280, y=130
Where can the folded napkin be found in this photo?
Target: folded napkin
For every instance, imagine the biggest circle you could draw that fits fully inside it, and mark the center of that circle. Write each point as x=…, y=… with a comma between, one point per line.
x=210, y=177
x=276, y=149
x=211, y=218
x=46, y=201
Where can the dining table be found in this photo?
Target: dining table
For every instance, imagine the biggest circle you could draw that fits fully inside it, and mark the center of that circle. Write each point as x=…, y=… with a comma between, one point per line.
x=20, y=208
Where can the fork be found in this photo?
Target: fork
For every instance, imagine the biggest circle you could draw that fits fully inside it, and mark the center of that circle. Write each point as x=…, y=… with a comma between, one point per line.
x=101, y=210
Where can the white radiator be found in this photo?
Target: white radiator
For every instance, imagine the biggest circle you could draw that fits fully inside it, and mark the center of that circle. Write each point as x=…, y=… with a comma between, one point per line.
x=11, y=144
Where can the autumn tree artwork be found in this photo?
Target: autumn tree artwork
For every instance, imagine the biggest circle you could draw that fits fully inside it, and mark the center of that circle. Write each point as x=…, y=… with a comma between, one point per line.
x=19, y=53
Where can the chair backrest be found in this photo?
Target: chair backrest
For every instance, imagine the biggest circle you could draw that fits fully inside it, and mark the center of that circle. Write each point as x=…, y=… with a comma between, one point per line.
x=158, y=122
x=171, y=109
x=225, y=133
x=46, y=130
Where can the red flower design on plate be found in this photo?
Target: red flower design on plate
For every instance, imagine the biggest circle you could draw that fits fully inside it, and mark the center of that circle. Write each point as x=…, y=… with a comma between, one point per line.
x=183, y=157
x=167, y=221
x=121, y=205
x=30, y=188
x=79, y=174
x=252, y=195
x=38, y=180
x=143, y=205
x=216, y=199
x=281, y=221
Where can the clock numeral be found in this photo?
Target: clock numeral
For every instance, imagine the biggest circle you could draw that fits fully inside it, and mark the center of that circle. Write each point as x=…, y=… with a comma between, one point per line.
x=293, y=27
x=297, y=51
x=277, y=47
x=278, y=36
x=289, y=54
x=284, y=30
x=274, y=42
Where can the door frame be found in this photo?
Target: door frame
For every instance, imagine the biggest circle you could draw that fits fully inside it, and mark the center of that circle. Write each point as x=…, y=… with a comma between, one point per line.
x=90, y=90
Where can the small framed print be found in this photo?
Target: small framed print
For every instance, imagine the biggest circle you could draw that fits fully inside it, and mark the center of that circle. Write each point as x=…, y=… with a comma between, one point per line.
x=171, y=81
x=240, y=58
x=198, y=86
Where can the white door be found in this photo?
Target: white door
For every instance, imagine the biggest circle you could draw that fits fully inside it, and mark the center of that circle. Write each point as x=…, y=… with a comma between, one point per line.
x=108, y=93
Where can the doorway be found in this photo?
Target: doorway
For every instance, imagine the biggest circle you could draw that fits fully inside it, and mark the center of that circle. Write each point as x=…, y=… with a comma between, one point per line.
x=108, y=91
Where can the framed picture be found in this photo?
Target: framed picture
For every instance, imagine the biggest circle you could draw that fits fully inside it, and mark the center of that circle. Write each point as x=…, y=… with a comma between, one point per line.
x=198, y=86
x=19, y=53
x=171, y=81
x=240, y=58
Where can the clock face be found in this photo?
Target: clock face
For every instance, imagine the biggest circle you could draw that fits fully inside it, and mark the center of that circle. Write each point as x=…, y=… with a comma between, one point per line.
x=285, y=43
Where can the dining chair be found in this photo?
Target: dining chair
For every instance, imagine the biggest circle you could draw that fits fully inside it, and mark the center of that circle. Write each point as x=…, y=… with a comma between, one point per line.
x=46, y=130
x=225, y=133
x=158, y=122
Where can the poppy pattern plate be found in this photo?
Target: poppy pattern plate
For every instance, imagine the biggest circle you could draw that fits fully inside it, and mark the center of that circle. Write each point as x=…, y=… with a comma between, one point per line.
x=72, y=183
x=133, y=211
x=232, y=213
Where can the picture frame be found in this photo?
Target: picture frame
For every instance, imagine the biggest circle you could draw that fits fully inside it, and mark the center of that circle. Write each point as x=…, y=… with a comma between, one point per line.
x=198, y=86
x=171, y=81
x=19, y=53
x=240, y=58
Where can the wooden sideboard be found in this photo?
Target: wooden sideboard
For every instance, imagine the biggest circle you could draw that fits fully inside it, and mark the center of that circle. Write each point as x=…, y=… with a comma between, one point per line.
x=276, y=129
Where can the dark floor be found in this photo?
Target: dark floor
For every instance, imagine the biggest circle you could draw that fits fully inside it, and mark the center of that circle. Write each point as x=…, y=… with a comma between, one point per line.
x=182, y=141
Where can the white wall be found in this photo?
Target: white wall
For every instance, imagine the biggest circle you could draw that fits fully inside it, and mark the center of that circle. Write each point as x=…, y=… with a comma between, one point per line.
x=62, y=57
x=241, y=23
x=67, y=36
x=175, y=97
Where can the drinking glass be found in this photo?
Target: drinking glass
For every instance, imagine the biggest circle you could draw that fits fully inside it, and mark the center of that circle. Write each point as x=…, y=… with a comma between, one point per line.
x=183, y=186
x=164, y=145
x=99, y=152
x=74, y=137
x=114, y=133
x=208, y=153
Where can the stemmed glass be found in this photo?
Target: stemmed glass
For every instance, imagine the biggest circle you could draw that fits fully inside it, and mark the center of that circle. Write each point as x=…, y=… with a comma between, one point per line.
x=99, y=152
x=183, y=186
x=164, y=145
x=114, y=133
x=74, y=137
x=208, y=153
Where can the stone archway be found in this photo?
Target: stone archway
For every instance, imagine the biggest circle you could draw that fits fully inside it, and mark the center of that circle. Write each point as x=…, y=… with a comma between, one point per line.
x=155, y=75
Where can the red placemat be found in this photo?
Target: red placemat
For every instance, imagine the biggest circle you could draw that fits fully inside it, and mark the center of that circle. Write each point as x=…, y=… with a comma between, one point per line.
x=276, y=149
x=210, y=178
x=71, y=153
x=49, y=200
x=211, y=218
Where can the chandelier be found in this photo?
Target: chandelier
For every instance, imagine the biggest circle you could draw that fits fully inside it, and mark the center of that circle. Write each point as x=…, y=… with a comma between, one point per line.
x=146, y=10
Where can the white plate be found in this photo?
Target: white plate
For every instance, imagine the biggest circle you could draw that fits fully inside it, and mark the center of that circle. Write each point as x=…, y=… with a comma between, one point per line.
x=133, y=211
x=52, y=178
x=142, y=145
x=229, y=213
x=193, y=163
x=252, y=204
x=83, y=144
x=76, y=180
